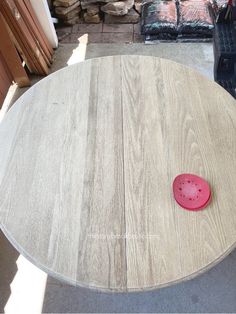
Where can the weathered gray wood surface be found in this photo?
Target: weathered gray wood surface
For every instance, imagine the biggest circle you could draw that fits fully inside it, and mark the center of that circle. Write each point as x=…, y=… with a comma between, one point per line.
x=88, y=156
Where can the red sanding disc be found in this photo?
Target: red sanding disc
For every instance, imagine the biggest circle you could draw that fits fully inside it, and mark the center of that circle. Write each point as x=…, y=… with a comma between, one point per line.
x=191, y=192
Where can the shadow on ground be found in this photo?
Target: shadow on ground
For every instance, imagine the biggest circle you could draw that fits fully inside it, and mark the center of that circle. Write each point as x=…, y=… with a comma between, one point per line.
x=212, y=292
x=8, y=269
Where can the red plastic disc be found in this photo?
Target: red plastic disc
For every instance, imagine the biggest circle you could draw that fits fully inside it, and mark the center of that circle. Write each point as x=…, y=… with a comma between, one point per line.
x=191, y=192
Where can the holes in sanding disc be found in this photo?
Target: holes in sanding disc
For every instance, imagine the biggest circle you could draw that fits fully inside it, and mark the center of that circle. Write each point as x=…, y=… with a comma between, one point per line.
x=191, y=191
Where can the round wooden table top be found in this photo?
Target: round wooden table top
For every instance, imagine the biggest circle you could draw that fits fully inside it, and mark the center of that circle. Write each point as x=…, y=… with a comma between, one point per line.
x=88, y=156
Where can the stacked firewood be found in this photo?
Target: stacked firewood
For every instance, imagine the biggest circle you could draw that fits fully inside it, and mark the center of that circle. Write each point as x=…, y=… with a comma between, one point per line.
x=67, y=11
x=72, y=12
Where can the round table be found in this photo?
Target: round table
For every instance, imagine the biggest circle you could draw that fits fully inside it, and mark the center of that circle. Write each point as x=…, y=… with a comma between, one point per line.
x=88, y=156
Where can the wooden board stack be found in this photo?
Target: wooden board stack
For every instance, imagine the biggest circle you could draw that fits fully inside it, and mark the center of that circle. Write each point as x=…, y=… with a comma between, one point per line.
x=27, y=35
x=11, y=61
x=67, y=11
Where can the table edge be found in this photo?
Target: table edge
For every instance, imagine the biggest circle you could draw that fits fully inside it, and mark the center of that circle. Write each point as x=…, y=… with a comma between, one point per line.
x=75, y=283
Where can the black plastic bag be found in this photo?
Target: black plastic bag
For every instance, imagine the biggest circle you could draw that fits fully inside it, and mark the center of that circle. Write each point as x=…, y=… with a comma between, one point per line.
x=216, y=6
x=219, y=4
x=195, y=18
x=159, y=17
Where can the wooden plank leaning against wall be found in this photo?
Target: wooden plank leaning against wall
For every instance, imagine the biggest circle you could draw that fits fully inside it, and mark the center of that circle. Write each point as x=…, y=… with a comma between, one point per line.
x=11, y=57
x=23, y=38
x=5, y=79
x=11, y=68
x=28, y=35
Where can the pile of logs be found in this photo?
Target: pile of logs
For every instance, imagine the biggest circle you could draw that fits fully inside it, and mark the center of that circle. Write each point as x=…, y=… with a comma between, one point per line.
x=71, y=12
x=67, y=11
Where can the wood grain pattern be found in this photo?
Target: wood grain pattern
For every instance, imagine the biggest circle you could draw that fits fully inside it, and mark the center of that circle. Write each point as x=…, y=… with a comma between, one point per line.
x=88, y=156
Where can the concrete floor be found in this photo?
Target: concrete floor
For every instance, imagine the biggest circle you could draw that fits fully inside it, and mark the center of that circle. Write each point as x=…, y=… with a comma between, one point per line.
x=196, y=55
x=212, y=292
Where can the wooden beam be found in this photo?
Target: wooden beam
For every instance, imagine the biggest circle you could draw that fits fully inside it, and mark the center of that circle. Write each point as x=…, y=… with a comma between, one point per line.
x=23, y=36
x=11, y=57
x=22, y=7
x=5, y=79
x=38, y=25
